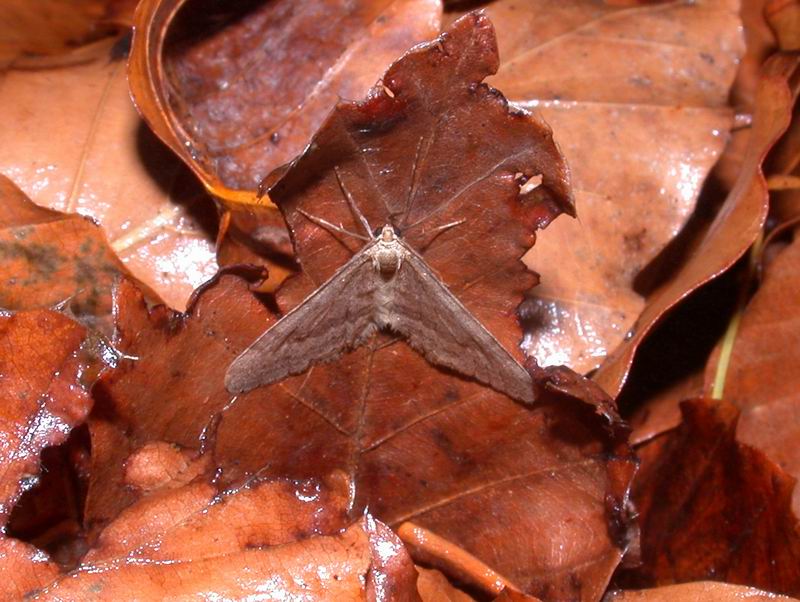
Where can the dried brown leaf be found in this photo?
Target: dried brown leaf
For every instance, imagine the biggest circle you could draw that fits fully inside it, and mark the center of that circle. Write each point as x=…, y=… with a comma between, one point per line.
x=733, y=230
x=636, y=94
x=761, y=378
x=409, y=441
x=43, y=400
x=708, y=591
x=47, y=28
x=279, y=539
x=48, y=258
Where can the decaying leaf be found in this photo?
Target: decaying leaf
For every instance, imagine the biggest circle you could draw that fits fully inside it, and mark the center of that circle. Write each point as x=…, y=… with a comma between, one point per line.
x=237, y=91
x=93, y=155
x=43, y=399
x=410, y=441
x=393, y=155
x=711, y=507
x=761, y=378
x=636, y=93
x=735, y=227
x=48, y=258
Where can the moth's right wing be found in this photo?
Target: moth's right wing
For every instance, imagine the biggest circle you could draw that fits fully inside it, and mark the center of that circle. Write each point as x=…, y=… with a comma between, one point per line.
x=335, y=318
x=437, y=324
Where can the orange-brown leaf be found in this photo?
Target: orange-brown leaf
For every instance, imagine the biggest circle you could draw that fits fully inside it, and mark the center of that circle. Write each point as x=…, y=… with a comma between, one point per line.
x=735, y=227
x=43, y=399
x=48, y=258
x=636, y=94
x=414, y=444
x=71, y=139
x=708, y=591
x=280, y=539
x=762, y=378
x=43, y=395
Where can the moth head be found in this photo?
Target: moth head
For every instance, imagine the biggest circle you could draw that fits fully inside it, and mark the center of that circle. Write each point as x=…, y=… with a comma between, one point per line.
x=386, y=233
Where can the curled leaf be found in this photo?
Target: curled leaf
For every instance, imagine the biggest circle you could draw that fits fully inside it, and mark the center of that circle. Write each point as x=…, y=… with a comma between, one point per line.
x=733, y=230
x=636, y=93
x=237, y=91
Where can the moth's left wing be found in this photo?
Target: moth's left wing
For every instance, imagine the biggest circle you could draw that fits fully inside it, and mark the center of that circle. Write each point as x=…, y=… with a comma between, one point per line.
x=335, y=318
x=437, y=324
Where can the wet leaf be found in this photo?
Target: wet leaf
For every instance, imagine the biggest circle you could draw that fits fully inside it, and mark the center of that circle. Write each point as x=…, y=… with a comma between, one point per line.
x=761, y=378
x=411, y=442
x=48, y=258
x=415, y=445
x=237, y=91
x=93, y=155
x=280, y=539
x=43, y=400
x=709, y=591
x=637, y=98
x=711, y=507
x=433, y=586
x=733, y=230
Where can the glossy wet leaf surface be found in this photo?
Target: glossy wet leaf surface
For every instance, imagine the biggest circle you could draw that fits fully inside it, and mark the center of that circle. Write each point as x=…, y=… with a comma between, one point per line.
x=94, y=156
x=636, y=95
x=49, y=258
x=734, y=228
x=421, y=444
x=43, y=398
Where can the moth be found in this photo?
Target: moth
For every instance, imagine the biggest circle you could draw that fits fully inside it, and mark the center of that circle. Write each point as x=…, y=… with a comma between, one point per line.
x=386, y=286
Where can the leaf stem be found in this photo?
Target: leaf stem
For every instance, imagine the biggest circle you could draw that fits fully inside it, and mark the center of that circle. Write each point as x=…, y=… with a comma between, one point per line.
x=729, y=339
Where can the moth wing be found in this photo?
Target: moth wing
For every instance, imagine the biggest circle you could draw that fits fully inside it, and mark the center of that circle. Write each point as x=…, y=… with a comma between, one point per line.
x=437, y=325
x=335, y=318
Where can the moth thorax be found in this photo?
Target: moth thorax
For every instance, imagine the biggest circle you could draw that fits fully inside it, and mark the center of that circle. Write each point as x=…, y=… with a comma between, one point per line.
x=387, y=255
x=387, y=259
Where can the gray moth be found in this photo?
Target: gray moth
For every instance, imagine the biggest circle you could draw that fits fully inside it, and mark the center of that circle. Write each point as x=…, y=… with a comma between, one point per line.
x=386, y=286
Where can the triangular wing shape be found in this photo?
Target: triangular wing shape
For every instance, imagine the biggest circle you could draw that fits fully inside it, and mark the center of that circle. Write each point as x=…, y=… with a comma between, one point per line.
x=438, y=326
x=335, y=318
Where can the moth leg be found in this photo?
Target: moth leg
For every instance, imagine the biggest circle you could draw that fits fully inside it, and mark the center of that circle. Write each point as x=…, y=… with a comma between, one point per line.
x=440, y=229
x=352, y=204
x=329, y=226
x=412, y=189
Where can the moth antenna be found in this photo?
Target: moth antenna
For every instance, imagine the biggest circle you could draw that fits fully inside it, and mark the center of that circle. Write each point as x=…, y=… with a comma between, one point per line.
x=352, y=204
x=329, y=226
